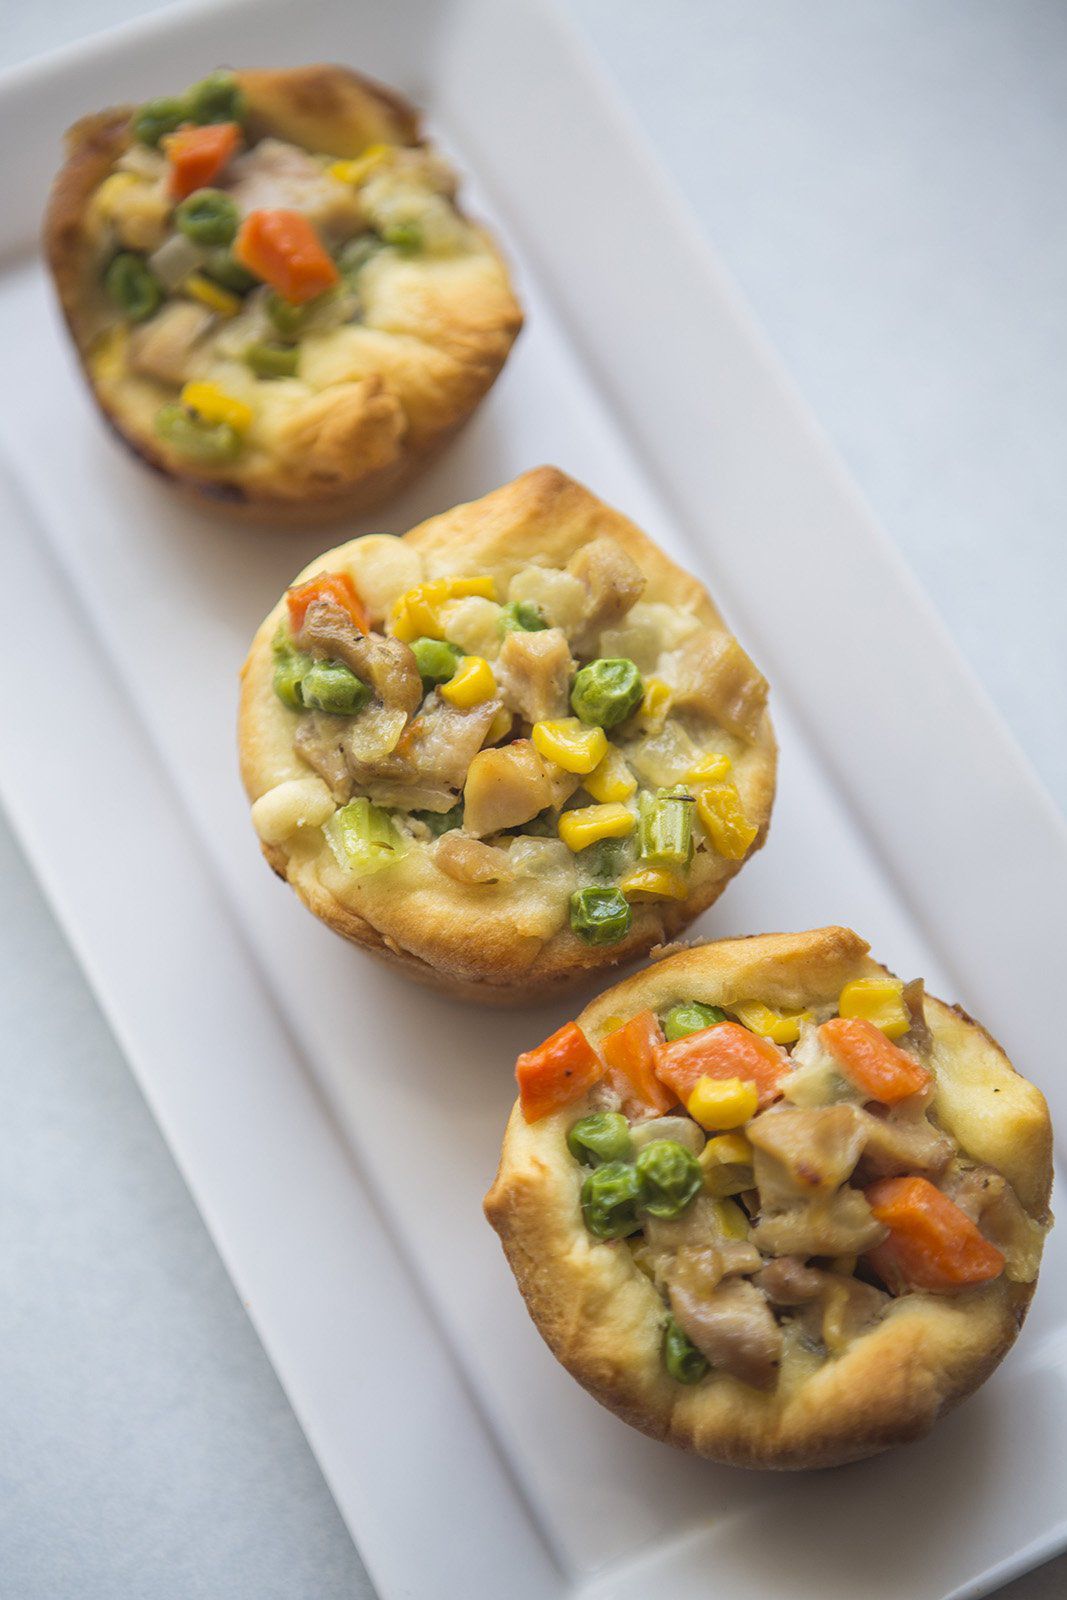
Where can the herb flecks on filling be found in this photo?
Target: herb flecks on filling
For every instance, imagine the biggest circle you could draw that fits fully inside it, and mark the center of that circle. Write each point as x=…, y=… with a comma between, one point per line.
x=780, y=1177
x=551, y=725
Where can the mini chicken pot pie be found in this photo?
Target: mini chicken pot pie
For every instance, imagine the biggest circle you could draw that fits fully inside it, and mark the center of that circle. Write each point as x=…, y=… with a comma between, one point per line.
x=511, y=747
x=772, y=1205
x=275, y=297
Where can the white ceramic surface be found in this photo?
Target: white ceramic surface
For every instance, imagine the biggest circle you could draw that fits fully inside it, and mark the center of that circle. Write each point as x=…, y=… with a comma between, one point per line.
x=253, y=1031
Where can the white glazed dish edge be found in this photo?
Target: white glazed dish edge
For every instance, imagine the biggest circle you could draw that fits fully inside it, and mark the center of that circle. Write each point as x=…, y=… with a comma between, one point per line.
x=641, y=374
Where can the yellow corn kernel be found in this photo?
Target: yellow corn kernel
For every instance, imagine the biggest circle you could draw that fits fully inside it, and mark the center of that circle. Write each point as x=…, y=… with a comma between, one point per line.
x=215, y=405
x=570, y=744
x=472, y=683
x=416, y=614
x=612, y=779
x=722, y=1102
x=877, y=1000
x=720, y=810
x=587, y=824
x=654, y=883
x=726, y=1162
x=711, y=768
x=727, y=1150
x=500, y=725
x=212, y=295
x=731, y=1219
x=611, y=1024
x=781, y=1026
x=361, y=167
x=657, y=699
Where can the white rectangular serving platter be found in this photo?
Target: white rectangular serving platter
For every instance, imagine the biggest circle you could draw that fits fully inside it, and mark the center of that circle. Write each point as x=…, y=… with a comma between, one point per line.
x=337, y=1127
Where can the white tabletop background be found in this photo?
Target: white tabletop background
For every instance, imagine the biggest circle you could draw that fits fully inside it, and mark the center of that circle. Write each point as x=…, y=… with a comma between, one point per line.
x=884, y=178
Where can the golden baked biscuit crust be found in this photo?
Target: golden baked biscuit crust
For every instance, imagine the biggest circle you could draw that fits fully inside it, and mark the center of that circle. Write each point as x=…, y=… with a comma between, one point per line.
x=499, y=944
x=603, y=1318
x=374, y=400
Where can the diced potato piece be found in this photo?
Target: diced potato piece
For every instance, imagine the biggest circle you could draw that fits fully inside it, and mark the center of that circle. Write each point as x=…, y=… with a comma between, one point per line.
x=474, y=624
x=137, y=210
x=559, y=596
x=505, y=787
x=383, y=568
x=297, y=803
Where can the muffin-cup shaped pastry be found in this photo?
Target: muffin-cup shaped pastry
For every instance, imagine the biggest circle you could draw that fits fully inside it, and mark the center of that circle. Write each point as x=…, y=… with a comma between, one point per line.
x=775, y=1206
x=509, y=749
x=274, y=294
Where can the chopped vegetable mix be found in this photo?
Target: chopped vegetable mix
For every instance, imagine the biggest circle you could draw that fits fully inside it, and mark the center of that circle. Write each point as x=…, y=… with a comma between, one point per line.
x=725, y=1050
x=747, y=1212
x=283, y=249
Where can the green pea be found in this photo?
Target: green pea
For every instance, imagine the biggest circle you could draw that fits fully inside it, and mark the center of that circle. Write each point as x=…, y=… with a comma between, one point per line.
x=436, y=659
x=211, y=443
x=207, y=216
x=670, y=1176
x=131, y=284
x=665, y=828
x=600, y=916
x=216, y=98
x=273, y=360
x=353, y=256
x=406, y=236
x=609, y=1199
x=291, y=667
x=690, y=1017
x=330, y=686
x=606, y=691
x=605, y=859
x=682, y=1359
x=440, y=822
x=603, y=1136
x=157, y=118
x=286, y=317
x=521, y=616
x=221, y=267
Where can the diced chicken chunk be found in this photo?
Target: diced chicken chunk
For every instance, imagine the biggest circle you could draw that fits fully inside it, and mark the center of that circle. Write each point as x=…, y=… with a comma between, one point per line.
x=839, y=1224
x=384, y=664
x=898, y=1142
x=428, y=767
x=469, y=860
x=802, y=1151
x=733, y=1327
x=320, y=741
x=164, y=347
x=275, y=175
x=505, y=787
x=613, y=583
x=534, y=673
x=712, y=675
x=788, y=1281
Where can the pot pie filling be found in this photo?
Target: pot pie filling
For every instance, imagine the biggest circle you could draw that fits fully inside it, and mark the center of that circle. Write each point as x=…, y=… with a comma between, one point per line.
x=246, y=285
x=541, y=730
x=780, y=1178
